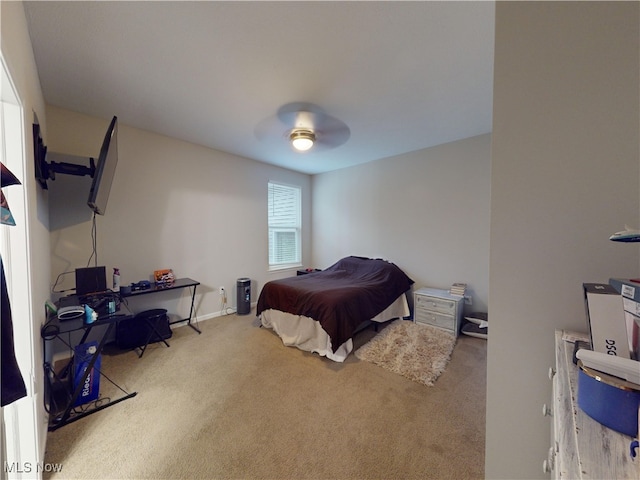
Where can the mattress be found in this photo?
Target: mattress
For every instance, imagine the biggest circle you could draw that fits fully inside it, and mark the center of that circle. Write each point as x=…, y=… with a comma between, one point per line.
x=307, y=334
x=340, y=297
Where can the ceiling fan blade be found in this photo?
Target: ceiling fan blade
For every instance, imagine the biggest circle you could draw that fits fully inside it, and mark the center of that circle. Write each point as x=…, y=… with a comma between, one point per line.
x=330, y=132
x=269, y=129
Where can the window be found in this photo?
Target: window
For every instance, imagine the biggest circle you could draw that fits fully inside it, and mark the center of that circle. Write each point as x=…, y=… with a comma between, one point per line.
x=285, y=226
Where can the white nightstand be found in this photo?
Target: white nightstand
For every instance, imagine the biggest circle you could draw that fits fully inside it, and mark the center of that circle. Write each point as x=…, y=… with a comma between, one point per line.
x=433, y=306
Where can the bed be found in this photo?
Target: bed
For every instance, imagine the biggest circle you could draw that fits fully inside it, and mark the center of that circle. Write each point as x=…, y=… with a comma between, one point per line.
x=321, y=311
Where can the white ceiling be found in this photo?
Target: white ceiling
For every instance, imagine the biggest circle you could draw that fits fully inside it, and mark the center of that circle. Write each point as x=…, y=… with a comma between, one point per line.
x=401, y=75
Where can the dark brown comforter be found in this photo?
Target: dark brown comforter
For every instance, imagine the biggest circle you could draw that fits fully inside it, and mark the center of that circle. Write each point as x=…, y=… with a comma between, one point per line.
x=341, y=297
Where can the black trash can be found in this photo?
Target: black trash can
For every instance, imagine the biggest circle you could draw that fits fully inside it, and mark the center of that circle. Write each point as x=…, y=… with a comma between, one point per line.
x=244, y=296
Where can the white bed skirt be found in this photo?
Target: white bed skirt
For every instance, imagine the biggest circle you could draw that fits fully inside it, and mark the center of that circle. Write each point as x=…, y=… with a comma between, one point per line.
x=308, y=335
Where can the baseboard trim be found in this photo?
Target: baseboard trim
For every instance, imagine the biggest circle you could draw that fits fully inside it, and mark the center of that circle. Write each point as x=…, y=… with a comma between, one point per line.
x=208, y=316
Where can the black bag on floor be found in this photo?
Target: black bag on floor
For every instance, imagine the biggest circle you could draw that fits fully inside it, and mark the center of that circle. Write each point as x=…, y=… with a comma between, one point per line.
x=135, y=332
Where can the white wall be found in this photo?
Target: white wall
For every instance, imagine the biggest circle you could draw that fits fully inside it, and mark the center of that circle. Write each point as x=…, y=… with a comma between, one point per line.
x=425, y=211
x=173, y=204
x=29, y=286
x=565, y=176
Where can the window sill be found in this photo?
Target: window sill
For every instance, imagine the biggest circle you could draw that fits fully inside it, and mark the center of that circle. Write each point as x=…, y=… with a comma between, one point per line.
x=280, y=268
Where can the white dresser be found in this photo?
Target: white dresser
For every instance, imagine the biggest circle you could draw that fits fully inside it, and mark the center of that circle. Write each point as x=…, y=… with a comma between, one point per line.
x=581, y=447
x=433, y=306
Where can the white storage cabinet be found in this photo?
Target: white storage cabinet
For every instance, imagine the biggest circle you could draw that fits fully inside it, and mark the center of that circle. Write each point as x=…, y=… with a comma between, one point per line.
x=436, y=307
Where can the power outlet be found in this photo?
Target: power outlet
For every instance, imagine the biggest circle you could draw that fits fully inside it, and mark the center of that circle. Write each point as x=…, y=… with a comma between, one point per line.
x=221, y=290
x=468, y=300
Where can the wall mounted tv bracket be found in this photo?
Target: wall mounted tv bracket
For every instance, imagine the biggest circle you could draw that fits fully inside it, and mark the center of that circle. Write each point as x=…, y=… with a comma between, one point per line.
x=47, y=171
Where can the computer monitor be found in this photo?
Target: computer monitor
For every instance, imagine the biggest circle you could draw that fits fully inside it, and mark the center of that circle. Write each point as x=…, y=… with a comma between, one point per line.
x=91, y=280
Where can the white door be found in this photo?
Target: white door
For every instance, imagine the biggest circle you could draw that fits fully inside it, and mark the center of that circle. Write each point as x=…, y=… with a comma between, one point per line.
x=21, y=431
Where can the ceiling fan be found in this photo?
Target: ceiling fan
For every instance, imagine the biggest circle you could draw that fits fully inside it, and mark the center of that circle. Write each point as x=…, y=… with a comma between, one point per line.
x=303, y=126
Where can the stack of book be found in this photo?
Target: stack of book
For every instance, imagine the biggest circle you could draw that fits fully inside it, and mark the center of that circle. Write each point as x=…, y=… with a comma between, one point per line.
x=458, y=289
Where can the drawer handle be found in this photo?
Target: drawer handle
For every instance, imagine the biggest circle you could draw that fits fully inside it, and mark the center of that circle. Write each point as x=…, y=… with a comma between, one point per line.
x=549, y=463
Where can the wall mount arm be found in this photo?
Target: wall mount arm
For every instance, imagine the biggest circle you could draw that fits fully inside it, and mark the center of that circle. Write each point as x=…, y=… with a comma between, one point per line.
x=47, y=164
x=68, y=168
x=63, y=164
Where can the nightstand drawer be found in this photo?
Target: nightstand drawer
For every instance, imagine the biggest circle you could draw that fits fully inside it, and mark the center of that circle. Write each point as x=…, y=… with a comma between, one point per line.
x=441, y=305
x=447, y=322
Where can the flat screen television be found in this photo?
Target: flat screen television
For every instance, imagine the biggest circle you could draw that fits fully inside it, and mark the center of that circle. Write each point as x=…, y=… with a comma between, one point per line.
x=105, y=170
x=40, y=155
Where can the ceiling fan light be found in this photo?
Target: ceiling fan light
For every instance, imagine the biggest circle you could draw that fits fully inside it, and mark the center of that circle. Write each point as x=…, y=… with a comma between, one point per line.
x=302, y=140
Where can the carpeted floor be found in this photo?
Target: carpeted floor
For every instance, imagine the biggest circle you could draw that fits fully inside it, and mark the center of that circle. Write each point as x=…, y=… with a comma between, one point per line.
x=235, y=403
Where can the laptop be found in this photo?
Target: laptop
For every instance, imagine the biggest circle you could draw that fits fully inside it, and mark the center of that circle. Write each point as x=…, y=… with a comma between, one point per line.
x=91, y=280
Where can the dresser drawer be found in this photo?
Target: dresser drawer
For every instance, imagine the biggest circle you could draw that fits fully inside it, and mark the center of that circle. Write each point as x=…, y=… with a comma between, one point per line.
x=447, y=322
x=441, y=305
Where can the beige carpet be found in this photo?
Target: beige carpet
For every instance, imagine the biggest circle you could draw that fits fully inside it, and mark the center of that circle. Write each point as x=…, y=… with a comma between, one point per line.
x=235, y=403
x=413, y=350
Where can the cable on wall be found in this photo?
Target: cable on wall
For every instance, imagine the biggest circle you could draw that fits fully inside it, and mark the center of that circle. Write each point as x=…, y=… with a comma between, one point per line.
x=94, y=242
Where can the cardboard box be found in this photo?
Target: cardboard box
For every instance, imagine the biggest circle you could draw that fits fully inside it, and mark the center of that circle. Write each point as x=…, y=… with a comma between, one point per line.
x=83, y=354
x=626, y=288
x=606, y=319
x=164, y=277
x=630, y=306
x=633, y=333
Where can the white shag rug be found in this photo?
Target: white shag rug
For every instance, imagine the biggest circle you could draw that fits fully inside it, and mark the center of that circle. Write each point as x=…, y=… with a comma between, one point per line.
x=416, y=351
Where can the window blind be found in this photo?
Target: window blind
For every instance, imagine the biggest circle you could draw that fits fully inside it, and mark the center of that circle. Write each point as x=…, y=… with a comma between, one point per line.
x=285, y=225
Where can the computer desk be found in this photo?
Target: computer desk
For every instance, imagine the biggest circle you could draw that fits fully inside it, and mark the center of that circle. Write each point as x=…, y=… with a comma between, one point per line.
x=55, y=329
x=176, y=284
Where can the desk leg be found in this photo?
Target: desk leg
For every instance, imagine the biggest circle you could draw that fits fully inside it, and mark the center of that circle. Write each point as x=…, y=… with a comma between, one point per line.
x=153, y=331
x=59, y=424
x=94, y=358
x=193, y=298
x=67, y=368
x=65, y=419
x=188, y=319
